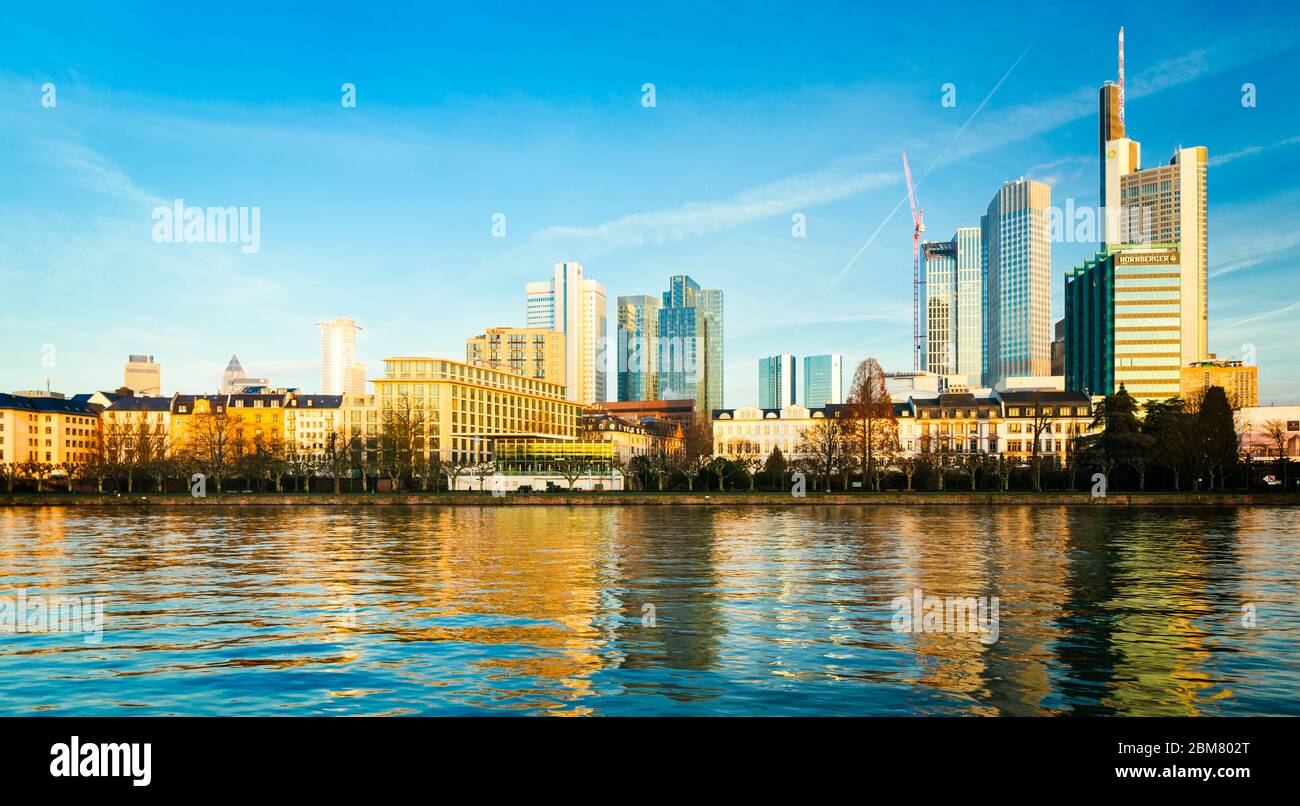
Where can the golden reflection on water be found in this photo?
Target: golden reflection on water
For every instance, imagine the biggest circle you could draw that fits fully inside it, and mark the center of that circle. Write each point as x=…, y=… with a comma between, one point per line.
x=756, y=610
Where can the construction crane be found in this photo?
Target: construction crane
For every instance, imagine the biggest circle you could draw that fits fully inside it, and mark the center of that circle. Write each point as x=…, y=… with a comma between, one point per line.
x=918, y=227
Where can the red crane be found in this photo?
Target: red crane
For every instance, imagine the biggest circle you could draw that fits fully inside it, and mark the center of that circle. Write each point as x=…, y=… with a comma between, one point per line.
x=918, y=227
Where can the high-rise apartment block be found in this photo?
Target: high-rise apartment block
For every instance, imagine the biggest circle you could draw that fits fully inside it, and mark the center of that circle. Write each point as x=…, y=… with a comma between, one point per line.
x=1017, y=258
x=777, y=384
x=142, y=375
x=341, y=373
x=574, y=305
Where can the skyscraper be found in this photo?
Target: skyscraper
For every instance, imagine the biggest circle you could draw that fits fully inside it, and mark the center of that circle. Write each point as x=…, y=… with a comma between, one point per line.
x=777, y=384
x=823, y=380
x=1161, y=205
x=638, y=351
x=1110, y=126
x=575, y=306
x=341, y=373
x=953, y=313
x=1167, y=205
x=1122, y=323
x=141, y=375
x=690, y=362
x=1017, y=257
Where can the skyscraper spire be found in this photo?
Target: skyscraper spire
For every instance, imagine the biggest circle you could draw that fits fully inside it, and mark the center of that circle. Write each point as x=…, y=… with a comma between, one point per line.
x=1121, y=75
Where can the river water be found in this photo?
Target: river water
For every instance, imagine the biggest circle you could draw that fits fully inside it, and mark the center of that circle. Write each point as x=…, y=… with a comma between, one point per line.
x=648, y=610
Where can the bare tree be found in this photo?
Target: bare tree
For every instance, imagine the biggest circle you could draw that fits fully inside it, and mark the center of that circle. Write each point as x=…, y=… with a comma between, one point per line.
x=10, y=472
x=571, y=468
x=1042, y=419
x=908, y=464
x=401, y=440
x=215, y=444
x=1275, y=432
x=869, y=409
x=823, y=444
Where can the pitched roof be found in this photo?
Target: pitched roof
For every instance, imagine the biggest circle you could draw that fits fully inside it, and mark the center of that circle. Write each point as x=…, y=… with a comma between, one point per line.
x=58, y=405
x=315, y=402
x=142, y=404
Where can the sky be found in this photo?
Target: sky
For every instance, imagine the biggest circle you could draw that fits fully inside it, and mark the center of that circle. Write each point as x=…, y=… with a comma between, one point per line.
x=384, y=211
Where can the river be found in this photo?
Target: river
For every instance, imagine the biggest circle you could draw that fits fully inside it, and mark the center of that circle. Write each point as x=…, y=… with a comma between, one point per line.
x=651, y=610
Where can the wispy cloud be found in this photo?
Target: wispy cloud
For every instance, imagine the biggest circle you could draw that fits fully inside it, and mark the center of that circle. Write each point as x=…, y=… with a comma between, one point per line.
x=1250, y=151
x=783, y=197
x=1232, y=324
x=95, y=172
x=1019, y=122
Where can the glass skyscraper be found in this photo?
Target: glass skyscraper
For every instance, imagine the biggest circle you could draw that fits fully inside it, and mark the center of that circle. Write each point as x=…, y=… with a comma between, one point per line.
x=823, y=380
x=690, y=357
x=953, y=313
x=638, y=348
x=776, y=382
x=1017, y=258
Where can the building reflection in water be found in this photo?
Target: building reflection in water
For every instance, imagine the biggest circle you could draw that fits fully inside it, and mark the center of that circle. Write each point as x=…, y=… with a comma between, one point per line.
x=756, y=610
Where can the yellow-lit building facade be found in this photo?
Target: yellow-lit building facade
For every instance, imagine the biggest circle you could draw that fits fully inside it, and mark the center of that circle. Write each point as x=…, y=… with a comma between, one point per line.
x=466, y=408
x=1239, y=381
x=130, y=417
x=309, y=420
x=47, y=430
x=534, y=352
x=1006, y=423
x=630, y=438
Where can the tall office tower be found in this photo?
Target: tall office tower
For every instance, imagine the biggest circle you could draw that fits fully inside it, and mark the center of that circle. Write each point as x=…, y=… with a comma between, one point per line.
x=141, y=375
x=338, y=358
x=1123, y=323
x=690, y=345
x=1110, y=127
x=575, y=306
x=952, y=318
x=823, y=380
x=710, y=302
x=638, y=348
x=1017, y=256
x=1167, y=205
x=777, y=383
x=1161, y=205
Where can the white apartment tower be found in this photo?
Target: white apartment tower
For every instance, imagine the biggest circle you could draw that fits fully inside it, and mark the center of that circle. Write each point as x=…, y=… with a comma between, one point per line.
x=341, y=373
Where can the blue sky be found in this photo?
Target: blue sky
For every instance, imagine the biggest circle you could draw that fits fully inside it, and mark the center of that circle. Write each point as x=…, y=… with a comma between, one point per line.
x=383, y=212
